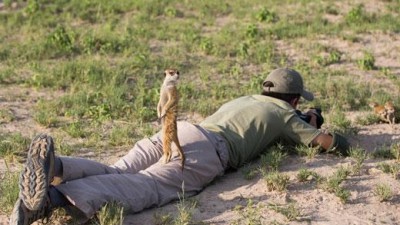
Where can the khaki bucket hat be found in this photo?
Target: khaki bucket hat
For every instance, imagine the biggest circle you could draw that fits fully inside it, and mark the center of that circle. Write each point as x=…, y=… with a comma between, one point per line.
x=286, y=81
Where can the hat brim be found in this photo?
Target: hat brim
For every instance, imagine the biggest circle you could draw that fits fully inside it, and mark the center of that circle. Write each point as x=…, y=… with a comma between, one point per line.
x=307, y=95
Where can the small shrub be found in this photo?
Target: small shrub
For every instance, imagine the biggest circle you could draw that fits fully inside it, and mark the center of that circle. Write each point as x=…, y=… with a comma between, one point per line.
x=359, y=155
x=273, y=158
x=185, y=211
x=6, y=116
x=62, y=39
x=32, y=7
x=306, y=175
x=75, y=130
x=163, y=219
x=391, y=152
x=290, y=211
x=385, y=167
x=249, y=171
x=368, y=119
x=252, y=31
x=207, y=46
x=250, y=214
x=266, y=16
x=111, y=213
x=309, y=152
x=393, y=168
x=333, y=57
x=276, y=181
x=9, y=191
x=342, y=194
x=340, y=123
x=383, y=192
x=357, y=15
x=395, y=150
x=121, y=135
x=13, y=145
x=367, y=62
x=332, y=184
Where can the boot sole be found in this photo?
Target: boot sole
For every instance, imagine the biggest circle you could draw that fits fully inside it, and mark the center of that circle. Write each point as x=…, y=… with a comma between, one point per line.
x=37, y=173
x=23, y=216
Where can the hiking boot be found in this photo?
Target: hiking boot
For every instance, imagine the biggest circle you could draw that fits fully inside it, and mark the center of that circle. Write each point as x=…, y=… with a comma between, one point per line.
x=37, y=173
x=23, y=216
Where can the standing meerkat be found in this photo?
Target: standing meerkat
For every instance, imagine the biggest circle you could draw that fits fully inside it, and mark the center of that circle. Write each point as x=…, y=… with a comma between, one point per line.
x=390, y=112
x=167, y=111
x=379, y=110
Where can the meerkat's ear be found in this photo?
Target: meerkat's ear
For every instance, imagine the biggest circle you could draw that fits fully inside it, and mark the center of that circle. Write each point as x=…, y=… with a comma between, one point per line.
x=165, y=73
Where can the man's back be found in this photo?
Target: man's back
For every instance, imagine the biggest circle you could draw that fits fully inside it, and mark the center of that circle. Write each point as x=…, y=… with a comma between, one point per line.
x=251, y=123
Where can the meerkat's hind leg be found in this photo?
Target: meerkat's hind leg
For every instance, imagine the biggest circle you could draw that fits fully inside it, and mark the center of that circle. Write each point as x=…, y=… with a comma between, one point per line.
x=180, y=151
x=167, y=157
x=182, y=156
x=167, y=148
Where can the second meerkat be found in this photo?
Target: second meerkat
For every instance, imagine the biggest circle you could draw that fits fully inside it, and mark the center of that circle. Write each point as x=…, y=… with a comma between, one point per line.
x=391, y=112
x=167, y=111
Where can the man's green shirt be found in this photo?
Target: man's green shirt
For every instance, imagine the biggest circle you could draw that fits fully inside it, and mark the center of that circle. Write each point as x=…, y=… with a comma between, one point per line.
x=252, y=123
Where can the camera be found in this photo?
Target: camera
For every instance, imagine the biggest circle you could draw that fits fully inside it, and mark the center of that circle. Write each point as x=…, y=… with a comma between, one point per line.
x=307, y=118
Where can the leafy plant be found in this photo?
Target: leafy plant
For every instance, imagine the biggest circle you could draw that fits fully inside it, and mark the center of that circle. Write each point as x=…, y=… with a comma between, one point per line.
x=308, y=151
x=368, y=119
x=249, y=214
x=250, y=171
x=6, y=116
x=367, y=62
x=111, y=213
x=383, y=192
x=388, y=152
x=9, y=191
x=359, y=155
x=290, y=211
x=340, y=123
x=185, y=211
x=62, y=39
x=332, y=184
x=305, y=175
x=276, y=181
x=12, y=146
x=266, y=16
x=392, y=168
x=273, y=158
x=357, y=15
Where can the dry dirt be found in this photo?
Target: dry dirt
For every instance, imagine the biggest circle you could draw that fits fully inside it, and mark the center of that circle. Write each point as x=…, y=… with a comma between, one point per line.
x=216, y=204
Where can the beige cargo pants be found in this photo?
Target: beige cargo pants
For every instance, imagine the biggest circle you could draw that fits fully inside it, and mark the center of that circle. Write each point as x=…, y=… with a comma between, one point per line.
x=140, y=179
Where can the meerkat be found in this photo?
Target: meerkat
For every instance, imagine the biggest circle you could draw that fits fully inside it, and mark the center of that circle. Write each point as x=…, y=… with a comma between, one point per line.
x=390, y=112
x=167, y=111
x=379, y=110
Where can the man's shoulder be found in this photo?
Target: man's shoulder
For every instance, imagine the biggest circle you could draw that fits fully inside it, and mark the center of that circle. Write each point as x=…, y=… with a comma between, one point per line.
x=273, y=101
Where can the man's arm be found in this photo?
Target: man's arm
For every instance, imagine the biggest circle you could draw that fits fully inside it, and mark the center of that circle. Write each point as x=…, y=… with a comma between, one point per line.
x=323, y=140
x=332, y=143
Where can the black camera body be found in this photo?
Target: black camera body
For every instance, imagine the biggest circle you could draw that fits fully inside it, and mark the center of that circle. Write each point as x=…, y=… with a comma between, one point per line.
x=307, y=118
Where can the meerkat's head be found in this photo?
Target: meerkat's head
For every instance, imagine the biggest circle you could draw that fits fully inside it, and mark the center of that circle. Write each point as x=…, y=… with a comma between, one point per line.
x=373, y=104
x=389, y=107
x=171, y=74
x=389, y=104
